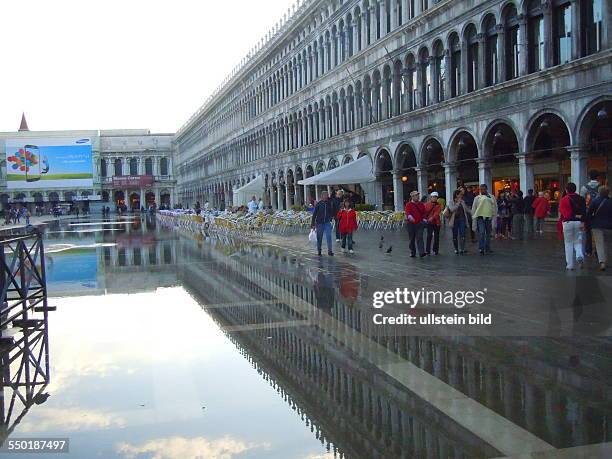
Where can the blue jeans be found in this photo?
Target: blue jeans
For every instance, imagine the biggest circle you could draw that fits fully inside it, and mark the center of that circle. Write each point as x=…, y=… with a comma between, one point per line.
x=327, y=229
x=484, y=233
x=459, y=234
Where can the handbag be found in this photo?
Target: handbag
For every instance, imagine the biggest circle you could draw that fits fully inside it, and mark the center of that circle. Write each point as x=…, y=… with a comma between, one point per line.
x=312, y=237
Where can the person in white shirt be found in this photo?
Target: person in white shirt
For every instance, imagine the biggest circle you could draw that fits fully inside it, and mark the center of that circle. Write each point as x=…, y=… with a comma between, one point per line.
x=260, y=206
x=206, y=206
x=252, y=205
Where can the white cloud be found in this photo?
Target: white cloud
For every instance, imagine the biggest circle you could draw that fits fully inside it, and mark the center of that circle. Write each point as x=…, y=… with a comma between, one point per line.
x=188, y=448
x=102, y=64
x=69, y=420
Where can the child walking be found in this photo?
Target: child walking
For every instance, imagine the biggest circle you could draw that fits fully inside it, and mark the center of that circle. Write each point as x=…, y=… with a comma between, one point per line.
x=347, y=222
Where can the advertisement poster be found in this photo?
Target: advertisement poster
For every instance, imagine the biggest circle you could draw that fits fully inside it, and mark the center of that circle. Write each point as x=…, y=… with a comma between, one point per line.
x=48, y=163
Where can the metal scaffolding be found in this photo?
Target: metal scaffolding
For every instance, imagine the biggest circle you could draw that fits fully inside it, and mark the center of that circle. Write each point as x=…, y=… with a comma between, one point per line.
x=24, y=339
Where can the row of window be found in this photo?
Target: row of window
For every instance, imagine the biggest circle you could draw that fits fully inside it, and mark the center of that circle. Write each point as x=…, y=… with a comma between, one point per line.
x=133, y=167
x=418, y=81
x=361, y=26
x=497, y=54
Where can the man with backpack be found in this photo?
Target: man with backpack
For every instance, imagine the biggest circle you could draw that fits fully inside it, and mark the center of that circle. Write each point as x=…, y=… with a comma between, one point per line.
x=573, y=214
x=589, y=192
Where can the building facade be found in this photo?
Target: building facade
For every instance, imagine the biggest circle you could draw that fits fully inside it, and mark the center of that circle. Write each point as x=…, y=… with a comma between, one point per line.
x=130, y=167
x=512, y=93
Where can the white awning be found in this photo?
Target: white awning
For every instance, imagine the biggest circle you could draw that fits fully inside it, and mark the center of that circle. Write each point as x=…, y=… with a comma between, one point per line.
x=359, y=171
x=244, y=194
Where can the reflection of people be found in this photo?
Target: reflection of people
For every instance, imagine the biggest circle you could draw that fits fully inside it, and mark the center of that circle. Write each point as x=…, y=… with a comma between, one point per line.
x=324, y=291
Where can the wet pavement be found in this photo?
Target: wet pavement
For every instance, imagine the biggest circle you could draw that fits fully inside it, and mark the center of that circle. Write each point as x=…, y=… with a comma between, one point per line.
x=169, y=344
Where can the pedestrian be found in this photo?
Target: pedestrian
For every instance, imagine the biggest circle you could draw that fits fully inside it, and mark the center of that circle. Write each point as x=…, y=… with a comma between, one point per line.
x=517, y=209
x=336, y=205
x=433, y=209
x=458, y=215
x=347, y=222
x=415, y=224
x=541, y=209
x=468, y=199
x=77, y=211
x=589, y=192
x=484, y=210
x=503, y=216
x=322, y=216
x=529, y=212
x=252, y=205
x=599, y=216
x=573, y=214
x=260, y=205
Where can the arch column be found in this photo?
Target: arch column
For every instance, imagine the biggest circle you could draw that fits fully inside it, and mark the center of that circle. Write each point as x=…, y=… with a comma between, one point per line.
x=484, y=172
x=464, y=67
x=287, y=195
x=501, y=52
x=523, y=62
x=526, y=173
x=421, y=180
x=398, y=190
x=579, y=164
x=450, y=179
x=481, y=59
x=385, y=97
x=372, y=24
x=548, y=32
x=279, y=197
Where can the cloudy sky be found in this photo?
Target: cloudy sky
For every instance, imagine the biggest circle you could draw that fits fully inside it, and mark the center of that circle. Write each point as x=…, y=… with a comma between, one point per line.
x=105, y=64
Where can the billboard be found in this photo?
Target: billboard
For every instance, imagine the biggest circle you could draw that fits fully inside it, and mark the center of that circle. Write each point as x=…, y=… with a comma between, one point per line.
x=48, y=163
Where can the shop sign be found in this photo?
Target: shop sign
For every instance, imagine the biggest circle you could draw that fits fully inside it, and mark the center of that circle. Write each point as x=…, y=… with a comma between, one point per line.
x=132, y=181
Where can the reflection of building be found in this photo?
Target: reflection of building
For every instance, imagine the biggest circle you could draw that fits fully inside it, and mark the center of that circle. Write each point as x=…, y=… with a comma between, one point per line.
x=511, y=93
x=126, y=163
x=328, y=367
x=128, y=257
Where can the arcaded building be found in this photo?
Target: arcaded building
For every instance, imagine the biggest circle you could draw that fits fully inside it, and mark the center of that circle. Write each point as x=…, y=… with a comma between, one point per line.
x=514, y=94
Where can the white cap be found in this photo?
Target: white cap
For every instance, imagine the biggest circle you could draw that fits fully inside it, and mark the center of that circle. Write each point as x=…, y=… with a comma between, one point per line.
x=434, y=194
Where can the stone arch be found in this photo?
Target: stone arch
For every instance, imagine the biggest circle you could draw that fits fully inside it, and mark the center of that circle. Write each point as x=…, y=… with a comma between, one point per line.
x=530, y=128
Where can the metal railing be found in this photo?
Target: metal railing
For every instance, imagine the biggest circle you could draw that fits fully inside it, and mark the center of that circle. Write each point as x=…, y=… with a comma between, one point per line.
x=24, y=339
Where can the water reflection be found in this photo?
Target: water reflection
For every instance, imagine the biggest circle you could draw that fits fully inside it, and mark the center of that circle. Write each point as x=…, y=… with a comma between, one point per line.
x=299, y=326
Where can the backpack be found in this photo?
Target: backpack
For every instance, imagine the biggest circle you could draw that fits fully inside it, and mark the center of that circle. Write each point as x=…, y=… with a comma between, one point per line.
x=591, y=194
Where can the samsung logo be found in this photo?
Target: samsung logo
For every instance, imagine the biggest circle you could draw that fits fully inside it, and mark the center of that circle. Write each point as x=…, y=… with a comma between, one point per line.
x=83, y=141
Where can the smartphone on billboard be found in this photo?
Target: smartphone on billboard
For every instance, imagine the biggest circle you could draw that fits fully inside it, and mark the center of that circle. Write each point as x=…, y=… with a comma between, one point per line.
x=32, y=163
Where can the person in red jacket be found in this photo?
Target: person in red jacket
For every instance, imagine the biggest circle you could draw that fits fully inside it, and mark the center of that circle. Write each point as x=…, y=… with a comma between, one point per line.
x=347, y=223
x=541, y=208
x=573, y=215
x=432, y=213
x=415, y=223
